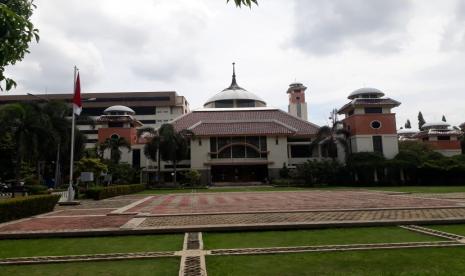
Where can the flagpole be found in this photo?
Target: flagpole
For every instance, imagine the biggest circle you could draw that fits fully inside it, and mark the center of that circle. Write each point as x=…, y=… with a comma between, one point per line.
x=71, y=162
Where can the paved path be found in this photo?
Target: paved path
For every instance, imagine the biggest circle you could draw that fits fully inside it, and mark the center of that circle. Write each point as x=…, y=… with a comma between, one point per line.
x=238, y=210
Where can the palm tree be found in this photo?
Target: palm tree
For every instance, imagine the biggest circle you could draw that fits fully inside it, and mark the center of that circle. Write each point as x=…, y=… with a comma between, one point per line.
x=28, y=127
x=152, y=147
x=114, y=144
x=174, y=145
x=329, y=137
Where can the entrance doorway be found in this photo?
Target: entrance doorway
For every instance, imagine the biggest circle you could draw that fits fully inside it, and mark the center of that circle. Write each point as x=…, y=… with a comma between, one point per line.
x=239, y=173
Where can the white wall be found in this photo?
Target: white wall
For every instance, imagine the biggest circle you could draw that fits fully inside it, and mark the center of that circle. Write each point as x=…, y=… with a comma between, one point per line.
x=277, y=153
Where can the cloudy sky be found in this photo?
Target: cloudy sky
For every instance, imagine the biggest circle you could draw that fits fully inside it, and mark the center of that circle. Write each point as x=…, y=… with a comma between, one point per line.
x=413, y=50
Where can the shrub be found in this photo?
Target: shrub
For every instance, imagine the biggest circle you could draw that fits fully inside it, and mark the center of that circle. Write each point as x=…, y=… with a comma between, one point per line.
x=284, y=171
x=321, y=172
x=36, y=189
x=98, y=193
x=193, y=177
x=21, y=207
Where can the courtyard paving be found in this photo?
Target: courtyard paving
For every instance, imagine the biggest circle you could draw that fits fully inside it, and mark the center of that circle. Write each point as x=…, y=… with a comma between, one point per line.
x=240, y=210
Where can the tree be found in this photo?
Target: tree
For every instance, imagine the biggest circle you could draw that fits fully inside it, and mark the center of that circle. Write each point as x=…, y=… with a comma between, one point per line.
x=174, y=145
x=421, y=120
x=328, y=138
x=28, y=128
x=152, y=147
x=408, y=124
x=444, y=118
x=93, y=165
x=16, y=33
x=114, y=144
x=247, y=3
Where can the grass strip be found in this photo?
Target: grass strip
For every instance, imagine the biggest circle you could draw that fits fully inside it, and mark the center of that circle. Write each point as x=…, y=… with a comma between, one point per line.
x=414, y=261
x=162, y=267
x=90, y=245
x=312, y=237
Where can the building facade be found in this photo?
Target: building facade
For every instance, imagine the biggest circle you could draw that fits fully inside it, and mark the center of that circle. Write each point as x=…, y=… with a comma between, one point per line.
x=441, y=138
x=371, y=123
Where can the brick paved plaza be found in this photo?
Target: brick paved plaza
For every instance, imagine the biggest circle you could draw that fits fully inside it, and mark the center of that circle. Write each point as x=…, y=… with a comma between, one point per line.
x=238, y=210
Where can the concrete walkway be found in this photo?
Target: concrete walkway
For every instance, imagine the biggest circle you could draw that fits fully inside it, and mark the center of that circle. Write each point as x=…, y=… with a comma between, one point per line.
x=238, y=210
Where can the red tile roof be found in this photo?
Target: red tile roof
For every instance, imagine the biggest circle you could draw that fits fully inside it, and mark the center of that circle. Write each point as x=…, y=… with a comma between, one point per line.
x=209, y=122
x=369, y=101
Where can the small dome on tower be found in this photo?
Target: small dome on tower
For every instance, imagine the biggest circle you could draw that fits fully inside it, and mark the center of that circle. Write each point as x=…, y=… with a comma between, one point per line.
x=366, y=92
x=119, y=110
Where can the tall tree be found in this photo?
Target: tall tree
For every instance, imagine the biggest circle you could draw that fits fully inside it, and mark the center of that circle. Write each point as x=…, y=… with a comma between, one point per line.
x=421, y=120
x=16, y=33
x=328, y=138
x=28, y=128
x=444, y=118
x=114, y=144
x=408, y=124
x=152, y=147
x=174, y=145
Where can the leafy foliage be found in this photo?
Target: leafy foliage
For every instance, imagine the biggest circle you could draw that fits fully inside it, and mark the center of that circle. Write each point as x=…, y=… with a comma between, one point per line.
x=114, y=145
x=91, y=165
x=16, y=33
x=408, y=124
x=122, y=173
x=421, y=120
x=192, y=177
x=16, y=208
x=247, y=3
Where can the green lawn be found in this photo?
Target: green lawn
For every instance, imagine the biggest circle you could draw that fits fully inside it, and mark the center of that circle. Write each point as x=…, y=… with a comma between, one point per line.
x=162, y=267
x=422, y=189
x=458, y=229
x=312, y=237
x=92, y=245
x=418, y=261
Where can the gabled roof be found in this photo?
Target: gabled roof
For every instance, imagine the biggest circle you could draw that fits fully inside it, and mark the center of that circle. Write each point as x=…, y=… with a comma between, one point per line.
x=244, y=121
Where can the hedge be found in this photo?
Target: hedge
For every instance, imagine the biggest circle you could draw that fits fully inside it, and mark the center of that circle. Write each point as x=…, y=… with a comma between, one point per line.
x=111, y=191
x=21, y=207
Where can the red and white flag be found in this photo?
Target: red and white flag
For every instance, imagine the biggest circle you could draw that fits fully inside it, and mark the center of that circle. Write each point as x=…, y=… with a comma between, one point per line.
x=77, y=105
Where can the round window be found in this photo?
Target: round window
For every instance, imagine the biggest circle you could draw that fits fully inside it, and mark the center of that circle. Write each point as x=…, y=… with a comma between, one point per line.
x=375, y=124
x=114, y=137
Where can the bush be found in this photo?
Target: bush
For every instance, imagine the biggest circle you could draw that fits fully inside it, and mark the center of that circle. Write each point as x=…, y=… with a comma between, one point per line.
x=98, y=193
x=192, y=177
x=321, y=173
x=21, y=207
x=36, y=189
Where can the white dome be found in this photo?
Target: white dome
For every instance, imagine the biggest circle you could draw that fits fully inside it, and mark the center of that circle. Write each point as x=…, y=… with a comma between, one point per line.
x=366, y=91
x=234, y=94
x=439, y=124
x=406, y=131
x=119, y=108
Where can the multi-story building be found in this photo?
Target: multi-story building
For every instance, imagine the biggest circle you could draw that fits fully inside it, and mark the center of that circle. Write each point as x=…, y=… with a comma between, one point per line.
x=152, y=109
x=370, y=122
x=441, y=138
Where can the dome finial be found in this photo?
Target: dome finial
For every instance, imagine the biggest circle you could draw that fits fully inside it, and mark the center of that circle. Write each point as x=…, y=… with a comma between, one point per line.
x=233, y=82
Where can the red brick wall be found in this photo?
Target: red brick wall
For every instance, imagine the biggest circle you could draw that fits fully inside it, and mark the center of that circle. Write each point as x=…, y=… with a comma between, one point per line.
x=360, y=124
x=130, y=134
x=444, y=145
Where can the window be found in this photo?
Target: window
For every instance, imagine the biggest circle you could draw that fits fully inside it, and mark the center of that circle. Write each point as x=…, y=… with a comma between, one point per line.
x=350, y=113
x=245, y=103
x=372, y=110
x=114, y=137
x=378, y=144
x=376, y=124
x=277, y=141
x=115, y=124
x=443, y=138
x=300, y=151
x=238, y=147
x=425, y=139
x=136, y=158
x=200, y=141
x=224, y=104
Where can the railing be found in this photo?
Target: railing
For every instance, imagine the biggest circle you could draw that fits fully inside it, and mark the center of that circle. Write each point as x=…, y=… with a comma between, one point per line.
x=63, y=194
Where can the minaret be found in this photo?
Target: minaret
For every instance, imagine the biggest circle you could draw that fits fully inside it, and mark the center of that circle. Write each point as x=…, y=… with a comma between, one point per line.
x=297, y=105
